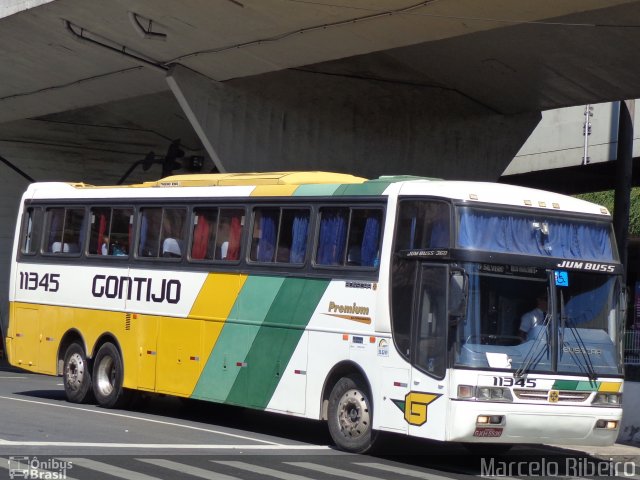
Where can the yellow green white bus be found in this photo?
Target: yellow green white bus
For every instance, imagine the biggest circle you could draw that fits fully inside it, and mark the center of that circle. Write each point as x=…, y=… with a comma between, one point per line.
x=396, y=304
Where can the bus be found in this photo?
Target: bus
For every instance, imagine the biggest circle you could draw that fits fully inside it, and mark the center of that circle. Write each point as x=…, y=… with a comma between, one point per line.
x=478, y=313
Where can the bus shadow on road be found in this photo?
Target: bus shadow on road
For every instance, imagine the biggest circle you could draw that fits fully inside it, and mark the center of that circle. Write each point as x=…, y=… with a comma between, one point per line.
x=57, y=395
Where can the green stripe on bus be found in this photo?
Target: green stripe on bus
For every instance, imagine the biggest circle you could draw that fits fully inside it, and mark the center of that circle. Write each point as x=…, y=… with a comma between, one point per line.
x=238, y=333
x=315, y=190
x=372, y=187
x=581, y=386
x=276, y=341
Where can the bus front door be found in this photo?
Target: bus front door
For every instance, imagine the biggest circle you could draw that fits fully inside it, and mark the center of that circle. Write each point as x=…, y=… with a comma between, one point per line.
x=426, y=403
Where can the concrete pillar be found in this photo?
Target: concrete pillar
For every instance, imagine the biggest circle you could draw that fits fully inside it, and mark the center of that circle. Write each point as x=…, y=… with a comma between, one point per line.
x=624, y=164
x=301, y=120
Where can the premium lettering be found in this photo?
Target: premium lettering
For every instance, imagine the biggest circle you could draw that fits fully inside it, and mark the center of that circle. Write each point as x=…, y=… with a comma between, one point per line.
x=352, y=309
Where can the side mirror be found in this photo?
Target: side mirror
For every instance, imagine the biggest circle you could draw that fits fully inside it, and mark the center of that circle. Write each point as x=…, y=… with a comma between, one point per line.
x=458, y=293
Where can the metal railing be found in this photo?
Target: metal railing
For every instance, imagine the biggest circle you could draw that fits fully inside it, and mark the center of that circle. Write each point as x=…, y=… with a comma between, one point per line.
x=632, y=347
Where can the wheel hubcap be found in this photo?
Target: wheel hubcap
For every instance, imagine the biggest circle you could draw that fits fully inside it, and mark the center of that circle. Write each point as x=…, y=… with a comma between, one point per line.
x=353, y=414
x=105, y=377
x=75, y=371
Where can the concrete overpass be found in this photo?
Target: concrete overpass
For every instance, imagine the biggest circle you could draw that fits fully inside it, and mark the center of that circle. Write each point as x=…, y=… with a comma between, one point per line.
x=448, y=88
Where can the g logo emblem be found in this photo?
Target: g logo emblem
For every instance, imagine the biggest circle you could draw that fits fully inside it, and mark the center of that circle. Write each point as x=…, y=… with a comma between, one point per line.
x=415, y=409
x=554, y=396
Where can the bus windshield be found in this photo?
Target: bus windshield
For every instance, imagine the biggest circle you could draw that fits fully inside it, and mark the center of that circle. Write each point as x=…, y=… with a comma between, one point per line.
x=511, y=320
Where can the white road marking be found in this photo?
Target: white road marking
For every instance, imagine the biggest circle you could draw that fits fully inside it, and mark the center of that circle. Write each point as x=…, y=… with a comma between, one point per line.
x=108, y=469
x=269, y=472
x=16, y=378
x=404, y=471
x=334, y=471
x=186, y=469
x=142, y=419
x=169, y=446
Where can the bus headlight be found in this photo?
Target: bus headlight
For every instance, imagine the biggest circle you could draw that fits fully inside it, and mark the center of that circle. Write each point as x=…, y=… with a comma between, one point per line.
x=607, y=399
x=466, y=391
x=493, y=394
x=607, y=424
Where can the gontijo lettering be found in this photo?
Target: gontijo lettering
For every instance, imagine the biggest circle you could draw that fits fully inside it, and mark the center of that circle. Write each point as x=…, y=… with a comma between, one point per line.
x=139, y=288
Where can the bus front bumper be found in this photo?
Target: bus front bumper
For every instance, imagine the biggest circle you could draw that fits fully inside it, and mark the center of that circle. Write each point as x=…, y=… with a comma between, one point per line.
x=488, y=422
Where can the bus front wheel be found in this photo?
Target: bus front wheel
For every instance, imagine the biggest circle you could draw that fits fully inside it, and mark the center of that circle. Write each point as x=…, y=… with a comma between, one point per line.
x=108, y=374
x=77, y=375
x=350, y=416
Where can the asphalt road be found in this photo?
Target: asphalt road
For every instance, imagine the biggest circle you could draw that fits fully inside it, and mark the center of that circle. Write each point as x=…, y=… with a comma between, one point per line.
x=43, y=436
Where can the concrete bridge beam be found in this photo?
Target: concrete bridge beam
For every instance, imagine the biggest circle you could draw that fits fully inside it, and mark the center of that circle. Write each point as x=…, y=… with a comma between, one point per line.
x=296, y=120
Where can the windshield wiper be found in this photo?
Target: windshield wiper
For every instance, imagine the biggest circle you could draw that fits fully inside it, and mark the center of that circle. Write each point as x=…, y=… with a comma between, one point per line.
x=530, y=357
x=564, y=322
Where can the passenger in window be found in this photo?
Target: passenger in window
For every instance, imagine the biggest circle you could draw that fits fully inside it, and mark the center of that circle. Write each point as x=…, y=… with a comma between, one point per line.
x=104, y=248
x=170, y=245
x=171, y=248
x=118, y=250
x=172, y=234
x=59, y=247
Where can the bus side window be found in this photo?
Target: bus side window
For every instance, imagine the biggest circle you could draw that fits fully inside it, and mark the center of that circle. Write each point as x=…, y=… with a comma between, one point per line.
x=162, y=232
x=266, y=222
x=292, y=238
x=349, y=236
x=172, y=232
x=66, y=229
x=229, y=234
x=110, y=231
x=149, y=238
x=31, y=230
x=120, y=233
x=364, y=238
x=332, y=236
x=203, y=244
x=423, y=224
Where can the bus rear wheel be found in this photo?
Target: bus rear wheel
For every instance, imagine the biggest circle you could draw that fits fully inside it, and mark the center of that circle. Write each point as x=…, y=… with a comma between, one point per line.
x=108, y=374
x=77, y=374
x=350, y=416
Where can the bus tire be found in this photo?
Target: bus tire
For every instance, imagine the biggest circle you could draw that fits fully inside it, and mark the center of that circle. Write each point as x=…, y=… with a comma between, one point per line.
x=77, y=374
x=108, y=374
x=350, y=416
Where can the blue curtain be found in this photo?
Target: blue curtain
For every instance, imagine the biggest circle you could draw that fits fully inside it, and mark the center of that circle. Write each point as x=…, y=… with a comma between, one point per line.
x=515, y=234
x=268, y=233
x=299, y=238
x=333, y=232
x=370, y=241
